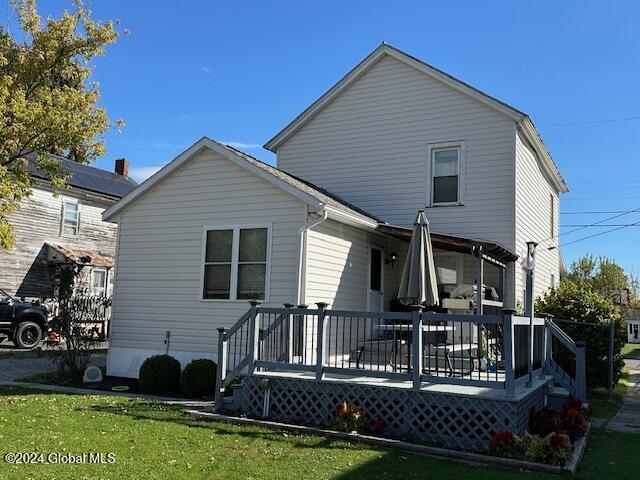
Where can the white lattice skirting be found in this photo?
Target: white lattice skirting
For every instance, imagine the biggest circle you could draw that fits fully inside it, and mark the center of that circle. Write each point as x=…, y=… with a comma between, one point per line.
x=441, y=419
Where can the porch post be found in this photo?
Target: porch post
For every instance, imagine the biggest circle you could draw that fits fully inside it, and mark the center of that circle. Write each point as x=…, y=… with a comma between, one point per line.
x=320, y=354
x=545, y=343
x=254, y=336
x=289, y=333
x=417, y=349
x=530, y=268
x=477, y=251
x=509, y=357
x=581, y=371
x=221, y=371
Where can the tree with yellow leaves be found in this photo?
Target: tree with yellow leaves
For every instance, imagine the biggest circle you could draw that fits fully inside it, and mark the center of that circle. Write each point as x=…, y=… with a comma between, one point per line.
x=48, y=103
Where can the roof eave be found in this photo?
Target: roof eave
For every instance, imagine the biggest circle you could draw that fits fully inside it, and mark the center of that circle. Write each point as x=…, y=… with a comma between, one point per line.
x=363, y=66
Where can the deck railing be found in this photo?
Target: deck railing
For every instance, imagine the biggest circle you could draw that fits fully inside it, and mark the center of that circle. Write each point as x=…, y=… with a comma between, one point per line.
x=491, y=351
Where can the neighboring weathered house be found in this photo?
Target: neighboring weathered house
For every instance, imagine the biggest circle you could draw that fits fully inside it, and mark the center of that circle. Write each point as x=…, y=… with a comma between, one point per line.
x=53, y=230
x=216, y=227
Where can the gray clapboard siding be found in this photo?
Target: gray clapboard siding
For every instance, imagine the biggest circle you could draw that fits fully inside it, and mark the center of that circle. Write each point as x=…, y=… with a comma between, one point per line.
x=533, y=219
x=37, y=220
x=369, y=145
x=160, y=252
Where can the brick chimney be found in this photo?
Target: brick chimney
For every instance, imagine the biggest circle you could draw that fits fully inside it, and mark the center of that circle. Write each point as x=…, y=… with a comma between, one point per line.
x=122, y=167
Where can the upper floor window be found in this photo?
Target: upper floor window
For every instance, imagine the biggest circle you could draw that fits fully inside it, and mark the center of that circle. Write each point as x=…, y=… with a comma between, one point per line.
x=236, y=263
x=70, y=217
x=446, y=184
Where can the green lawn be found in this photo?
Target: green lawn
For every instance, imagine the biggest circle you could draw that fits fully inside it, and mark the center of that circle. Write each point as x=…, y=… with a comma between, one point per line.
x=599, y=398
x=631, y=351
x=156, y=441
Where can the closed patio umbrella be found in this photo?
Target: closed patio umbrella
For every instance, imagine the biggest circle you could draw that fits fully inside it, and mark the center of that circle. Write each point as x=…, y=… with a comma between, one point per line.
x=418, y=284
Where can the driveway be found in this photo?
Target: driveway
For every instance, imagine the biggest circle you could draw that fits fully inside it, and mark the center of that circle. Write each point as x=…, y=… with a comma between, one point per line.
x=22, y=364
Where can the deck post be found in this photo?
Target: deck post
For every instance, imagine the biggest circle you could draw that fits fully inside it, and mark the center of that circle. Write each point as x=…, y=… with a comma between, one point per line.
x=416, y=345
x=221, y=371
x=581, y=371
x=529, y=302
x=545, y=345
x=509, y=357
x=254, y=336
x=289, y=333
x=320, y=354
x=477, y=251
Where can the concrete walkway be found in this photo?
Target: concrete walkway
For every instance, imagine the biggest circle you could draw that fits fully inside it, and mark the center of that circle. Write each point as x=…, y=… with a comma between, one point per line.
x=628, y=417
x=24, y=364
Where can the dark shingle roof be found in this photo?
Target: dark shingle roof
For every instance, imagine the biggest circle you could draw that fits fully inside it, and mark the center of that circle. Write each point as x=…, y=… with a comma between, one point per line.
x=90, y=178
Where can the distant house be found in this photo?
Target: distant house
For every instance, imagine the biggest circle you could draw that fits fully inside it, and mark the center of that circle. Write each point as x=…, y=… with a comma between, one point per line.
x=633, y=325
x=330, y=223
x=65, y=230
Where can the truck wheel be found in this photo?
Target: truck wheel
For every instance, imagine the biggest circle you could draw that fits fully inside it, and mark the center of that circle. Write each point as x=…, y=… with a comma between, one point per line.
x=28, y=335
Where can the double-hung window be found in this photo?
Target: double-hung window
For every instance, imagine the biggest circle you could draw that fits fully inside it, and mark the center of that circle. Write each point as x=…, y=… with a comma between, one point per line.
x=70, y=218
x=236, y=263
x=446, y=185
x=98, y=282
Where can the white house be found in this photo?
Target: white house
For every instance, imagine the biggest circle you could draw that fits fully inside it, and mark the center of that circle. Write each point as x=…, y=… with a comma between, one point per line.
x=216, y=228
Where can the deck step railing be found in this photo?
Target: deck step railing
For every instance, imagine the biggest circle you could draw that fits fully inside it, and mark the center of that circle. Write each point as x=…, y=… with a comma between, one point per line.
x=565, y=360
x=492, y=351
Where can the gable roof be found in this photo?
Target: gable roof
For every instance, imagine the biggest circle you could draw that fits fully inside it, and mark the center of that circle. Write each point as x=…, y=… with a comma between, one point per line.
x=303, y=190
x=89, y=178
x=521, y=118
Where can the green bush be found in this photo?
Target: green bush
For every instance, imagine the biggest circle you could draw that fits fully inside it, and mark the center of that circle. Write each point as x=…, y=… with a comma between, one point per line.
x=159, y=374
x=199, y=378
x=578, y=301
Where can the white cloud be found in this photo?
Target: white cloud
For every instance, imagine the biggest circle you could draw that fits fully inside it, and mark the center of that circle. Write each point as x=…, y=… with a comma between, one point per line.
x=208, y=72
x=140, y=174
x=241, y=145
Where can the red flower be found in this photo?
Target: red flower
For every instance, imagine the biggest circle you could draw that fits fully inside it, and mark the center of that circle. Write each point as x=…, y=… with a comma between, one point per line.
x=378, y=424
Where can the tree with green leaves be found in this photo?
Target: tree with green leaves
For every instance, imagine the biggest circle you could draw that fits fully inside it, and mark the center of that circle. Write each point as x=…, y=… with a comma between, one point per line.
x=592, y=315
x=48, y=103
x=606, y=277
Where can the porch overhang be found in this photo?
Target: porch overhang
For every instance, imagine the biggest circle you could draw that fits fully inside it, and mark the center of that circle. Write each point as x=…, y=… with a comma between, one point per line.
x=454, y=243
x=59, y=254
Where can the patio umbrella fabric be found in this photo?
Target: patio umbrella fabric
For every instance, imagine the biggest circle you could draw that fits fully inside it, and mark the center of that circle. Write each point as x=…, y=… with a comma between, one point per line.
x=418, y=283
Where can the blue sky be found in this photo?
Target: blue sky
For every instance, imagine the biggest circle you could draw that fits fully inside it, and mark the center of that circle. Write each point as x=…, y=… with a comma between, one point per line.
x=239, y=71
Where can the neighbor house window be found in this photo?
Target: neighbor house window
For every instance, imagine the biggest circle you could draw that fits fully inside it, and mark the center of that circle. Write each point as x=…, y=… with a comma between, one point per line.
x=236, y=263
x=70, y=218
x=98, y=282
x=446, y=168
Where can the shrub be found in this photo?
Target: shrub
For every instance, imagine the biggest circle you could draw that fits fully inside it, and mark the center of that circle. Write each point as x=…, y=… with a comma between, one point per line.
x=199, y=378
x=572, y=422
x=159, y=374
x=578, y=301
x=533, y=448
x=503, y=444
x=348, y=418
x=557, y=448
x=543, y=422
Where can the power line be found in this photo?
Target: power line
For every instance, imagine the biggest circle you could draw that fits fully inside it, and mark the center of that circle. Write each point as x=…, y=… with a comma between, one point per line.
x=608, y=225
x=593, y=213
x=592, y=122
x=594, y=235
x=600, y=222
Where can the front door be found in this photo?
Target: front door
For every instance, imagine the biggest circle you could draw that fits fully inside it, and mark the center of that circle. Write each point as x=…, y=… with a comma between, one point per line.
x=376, y=289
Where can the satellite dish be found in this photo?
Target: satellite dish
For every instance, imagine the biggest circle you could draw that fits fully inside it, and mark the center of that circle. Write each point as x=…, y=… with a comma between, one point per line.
x=92, y=374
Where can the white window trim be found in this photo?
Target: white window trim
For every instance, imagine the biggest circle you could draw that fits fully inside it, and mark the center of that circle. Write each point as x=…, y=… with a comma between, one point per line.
x=461, y=145
x=66, y=200
x=235, y=254
x=106, y=280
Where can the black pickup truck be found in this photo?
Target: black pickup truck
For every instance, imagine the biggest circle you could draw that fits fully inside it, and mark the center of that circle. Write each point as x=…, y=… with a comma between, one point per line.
x=23, y=322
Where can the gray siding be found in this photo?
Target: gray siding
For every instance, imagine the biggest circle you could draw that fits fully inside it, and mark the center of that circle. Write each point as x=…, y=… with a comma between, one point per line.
x=23, y=271
x=533, y=220
x=369, y=146
x=159, y=265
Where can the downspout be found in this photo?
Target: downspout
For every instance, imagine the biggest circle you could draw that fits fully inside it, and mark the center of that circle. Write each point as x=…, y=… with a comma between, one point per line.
x=302, y=263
